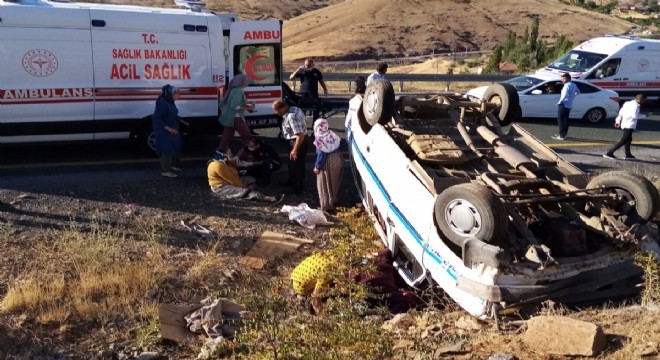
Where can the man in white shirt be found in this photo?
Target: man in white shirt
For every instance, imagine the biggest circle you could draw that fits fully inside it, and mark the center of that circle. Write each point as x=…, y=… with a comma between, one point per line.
x=627, y=121
x=568, y=94
x=379, y=74
x=294, y=127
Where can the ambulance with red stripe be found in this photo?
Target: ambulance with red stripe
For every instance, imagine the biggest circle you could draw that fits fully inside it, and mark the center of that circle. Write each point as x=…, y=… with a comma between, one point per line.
x=77, y=71
x=628, y=65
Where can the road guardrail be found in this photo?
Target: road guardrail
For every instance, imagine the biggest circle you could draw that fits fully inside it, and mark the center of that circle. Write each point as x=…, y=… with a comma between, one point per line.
x=402, y=78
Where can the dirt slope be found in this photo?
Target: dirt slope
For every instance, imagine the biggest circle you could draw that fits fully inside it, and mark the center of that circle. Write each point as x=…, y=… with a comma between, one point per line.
x=247, y=9
x=338, y=29
x=369, y=28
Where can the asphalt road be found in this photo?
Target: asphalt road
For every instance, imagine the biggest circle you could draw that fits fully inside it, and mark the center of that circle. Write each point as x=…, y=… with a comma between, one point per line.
x=47, y=166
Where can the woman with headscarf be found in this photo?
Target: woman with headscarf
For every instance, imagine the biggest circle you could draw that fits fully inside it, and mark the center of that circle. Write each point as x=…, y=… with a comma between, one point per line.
x=167, y=131
x=328, y=166
x=233, y=107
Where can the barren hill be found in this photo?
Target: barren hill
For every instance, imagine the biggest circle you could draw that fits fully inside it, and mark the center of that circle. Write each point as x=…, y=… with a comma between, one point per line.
x=349, y=29
x=371, y=28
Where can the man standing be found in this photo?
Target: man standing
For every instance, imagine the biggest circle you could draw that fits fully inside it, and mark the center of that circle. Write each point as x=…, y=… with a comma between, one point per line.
x=360, y=85
x=568, y=94
x=379, y=74
x=293, y=131
x=310, y=78
x=627, y=121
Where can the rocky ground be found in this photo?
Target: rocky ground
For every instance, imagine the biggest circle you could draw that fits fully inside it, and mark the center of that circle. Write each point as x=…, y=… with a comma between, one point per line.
x=136, y=225
x=148, y=212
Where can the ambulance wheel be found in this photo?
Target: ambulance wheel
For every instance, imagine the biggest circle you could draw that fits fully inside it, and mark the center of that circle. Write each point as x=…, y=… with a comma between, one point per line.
x=471, y=210
x=378, y=102
x=147, y=139
x=594, y=115
x=637, y=191
x=506, y=97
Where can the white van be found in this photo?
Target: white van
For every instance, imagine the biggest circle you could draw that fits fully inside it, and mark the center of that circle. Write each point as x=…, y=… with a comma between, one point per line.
x=77, y=71
x=626, y=64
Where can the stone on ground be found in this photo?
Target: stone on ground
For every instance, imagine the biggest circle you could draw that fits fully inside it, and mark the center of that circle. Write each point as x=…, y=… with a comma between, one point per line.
x=560, y=335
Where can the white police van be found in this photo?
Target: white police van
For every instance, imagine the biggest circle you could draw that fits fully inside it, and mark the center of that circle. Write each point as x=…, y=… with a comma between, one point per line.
x=78, y=71
x=628, y=65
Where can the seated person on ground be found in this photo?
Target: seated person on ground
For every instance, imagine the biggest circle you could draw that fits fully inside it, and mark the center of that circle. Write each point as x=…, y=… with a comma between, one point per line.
x=225, y=182
x=258, y=160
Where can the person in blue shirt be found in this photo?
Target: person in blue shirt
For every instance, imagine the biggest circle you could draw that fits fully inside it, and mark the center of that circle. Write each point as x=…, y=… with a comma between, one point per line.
x=568, y=94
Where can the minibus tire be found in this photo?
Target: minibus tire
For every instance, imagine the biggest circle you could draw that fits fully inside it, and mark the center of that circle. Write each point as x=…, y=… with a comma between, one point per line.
x=471, y=210
x=378, y=102
x=642, y=194
x=506, y=96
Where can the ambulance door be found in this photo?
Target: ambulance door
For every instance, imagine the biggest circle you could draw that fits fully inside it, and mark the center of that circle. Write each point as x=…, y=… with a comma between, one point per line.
x=135, y=55
x=256, y=50
x=46, y=78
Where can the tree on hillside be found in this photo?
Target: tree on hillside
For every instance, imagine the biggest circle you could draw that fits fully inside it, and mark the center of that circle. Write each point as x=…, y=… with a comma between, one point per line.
x=534, y=36
x=527, y=52
x=495, y=60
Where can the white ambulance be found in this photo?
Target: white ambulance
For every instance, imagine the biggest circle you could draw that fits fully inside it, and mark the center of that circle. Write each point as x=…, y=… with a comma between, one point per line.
x=77, y=71
x=626, y=64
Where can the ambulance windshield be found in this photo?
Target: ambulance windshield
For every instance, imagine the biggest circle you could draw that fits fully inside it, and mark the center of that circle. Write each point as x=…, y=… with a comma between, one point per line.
x=577, y=61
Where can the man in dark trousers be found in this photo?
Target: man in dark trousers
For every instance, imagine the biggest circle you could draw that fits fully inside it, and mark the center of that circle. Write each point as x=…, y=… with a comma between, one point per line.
x=310, y=78
x=627, y=121
x=293, y=132
x=568, y=94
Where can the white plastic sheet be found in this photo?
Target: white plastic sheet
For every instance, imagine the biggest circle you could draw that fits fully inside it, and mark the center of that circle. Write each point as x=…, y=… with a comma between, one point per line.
x=306, y=216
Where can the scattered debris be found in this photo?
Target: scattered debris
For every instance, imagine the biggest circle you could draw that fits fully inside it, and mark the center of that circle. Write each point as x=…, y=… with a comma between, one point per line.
x=403, y=344
x=151, y=294
x=468, y=323
x=216, y=319
x=648, y=349
x=19, y=199
x=149, y=355
x=306, y=216
x=198, y=229
x=211, y=349
x=455, y=348
x=502, y=357
x=561, y=335
x=180, y=322
x=399, y=321
x=269, y=246
x=173, y=325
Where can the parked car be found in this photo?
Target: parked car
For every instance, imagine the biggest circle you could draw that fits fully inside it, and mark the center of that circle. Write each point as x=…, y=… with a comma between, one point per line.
x=539, y=94
x=498, y=221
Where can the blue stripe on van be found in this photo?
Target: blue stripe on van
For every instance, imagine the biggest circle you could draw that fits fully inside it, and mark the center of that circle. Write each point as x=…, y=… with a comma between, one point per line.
x=395, y=210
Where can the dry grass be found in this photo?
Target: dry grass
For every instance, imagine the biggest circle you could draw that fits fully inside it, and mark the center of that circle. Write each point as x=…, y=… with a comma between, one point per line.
x=83, y=275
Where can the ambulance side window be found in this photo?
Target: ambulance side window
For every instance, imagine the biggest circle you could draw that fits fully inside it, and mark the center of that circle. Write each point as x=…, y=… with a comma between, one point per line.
x=609, y=68
x=261, y=63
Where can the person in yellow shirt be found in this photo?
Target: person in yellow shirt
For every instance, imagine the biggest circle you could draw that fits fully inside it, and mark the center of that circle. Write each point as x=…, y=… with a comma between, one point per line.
x=225, y=182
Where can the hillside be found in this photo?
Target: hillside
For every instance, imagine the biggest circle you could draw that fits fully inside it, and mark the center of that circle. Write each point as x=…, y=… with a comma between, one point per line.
x=371, y=28
x=247, y=9
x=349, y=29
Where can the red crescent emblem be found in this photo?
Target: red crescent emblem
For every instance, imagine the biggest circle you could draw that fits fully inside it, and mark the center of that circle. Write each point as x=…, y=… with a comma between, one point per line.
x=249, y=64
